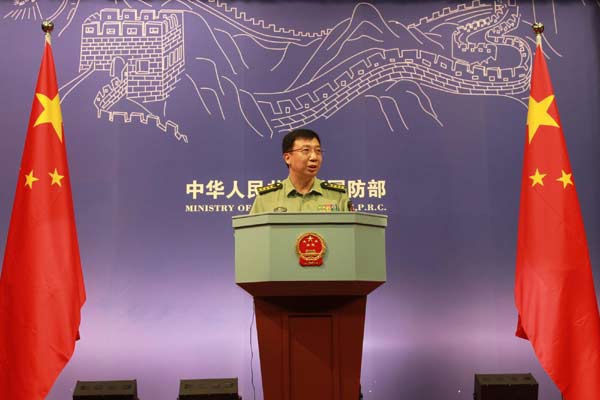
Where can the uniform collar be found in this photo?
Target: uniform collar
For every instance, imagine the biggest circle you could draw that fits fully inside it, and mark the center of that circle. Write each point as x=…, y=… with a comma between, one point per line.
x=290, y=190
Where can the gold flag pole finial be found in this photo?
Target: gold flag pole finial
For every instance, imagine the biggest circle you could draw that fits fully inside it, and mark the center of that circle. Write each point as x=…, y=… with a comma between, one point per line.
x=538, y=28
x=48, y=27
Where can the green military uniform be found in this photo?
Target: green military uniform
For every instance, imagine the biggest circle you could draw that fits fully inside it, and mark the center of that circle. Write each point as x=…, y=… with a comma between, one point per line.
x=283, y=197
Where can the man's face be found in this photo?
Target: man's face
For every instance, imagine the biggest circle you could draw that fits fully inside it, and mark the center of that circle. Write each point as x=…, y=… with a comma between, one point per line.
x=305, y=158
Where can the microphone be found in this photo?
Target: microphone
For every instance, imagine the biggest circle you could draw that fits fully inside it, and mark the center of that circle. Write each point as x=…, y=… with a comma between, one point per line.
x=351, y=206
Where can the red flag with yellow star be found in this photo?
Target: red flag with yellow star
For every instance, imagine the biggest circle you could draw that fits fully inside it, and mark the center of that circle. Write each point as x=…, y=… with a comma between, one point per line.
x=554, y=287
x=41, y=286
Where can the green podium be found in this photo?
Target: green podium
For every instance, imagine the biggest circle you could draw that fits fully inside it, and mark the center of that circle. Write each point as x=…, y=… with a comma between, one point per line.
x=309, y=274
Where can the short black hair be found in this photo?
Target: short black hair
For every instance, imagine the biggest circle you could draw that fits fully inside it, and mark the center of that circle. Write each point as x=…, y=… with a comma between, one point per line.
x=287, y=143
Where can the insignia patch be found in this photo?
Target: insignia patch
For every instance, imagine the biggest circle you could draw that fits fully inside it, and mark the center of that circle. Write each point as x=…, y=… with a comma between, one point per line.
x=310, y=248
x=333, y=186
x=269, y=188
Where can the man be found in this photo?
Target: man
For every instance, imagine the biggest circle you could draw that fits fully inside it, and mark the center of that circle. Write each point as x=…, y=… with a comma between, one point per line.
x=301, y=190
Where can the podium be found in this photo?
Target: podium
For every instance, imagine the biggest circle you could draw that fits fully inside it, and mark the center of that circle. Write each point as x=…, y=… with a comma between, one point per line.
x=310, y=318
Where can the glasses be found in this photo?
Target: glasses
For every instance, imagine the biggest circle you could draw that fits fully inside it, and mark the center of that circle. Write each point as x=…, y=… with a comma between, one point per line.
x=306, y=151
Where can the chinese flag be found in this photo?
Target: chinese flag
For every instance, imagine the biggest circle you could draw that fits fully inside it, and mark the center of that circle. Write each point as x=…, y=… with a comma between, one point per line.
x=554, y=287
x=41, y=286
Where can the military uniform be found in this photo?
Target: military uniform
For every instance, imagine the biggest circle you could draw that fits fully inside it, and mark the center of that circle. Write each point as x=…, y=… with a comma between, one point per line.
x=283, y=197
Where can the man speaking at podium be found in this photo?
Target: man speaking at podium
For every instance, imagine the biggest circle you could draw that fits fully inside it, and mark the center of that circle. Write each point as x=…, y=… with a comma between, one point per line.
x=301, y=190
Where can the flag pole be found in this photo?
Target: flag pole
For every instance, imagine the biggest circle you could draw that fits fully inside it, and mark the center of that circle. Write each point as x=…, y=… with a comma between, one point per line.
x=48, y=27
x=538, y=29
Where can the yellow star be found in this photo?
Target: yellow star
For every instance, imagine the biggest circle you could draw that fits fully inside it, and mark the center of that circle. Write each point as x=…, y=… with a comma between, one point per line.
x=538, y=115
x=56, y=178
x=537, y=179
x=29, y=179
x=51, y=113
x=565, y=179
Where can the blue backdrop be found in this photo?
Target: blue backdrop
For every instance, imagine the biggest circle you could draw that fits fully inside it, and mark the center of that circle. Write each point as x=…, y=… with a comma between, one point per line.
x=174, y=113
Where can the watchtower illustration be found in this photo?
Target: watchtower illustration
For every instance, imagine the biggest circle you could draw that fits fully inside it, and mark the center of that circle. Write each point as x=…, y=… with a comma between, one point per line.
x=142, y=49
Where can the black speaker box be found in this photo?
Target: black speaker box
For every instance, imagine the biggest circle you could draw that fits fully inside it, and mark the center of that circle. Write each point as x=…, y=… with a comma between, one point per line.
x=505, y=387
x=209, y=389
x=105, y=390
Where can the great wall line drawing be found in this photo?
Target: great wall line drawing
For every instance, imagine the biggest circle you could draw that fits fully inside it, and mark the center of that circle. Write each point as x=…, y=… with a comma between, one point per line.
x=338, y=38
x=367, y=69
x=555, y=19
x=458, y=50
x=457, y=75
x=72, y=6
x=143, y=53
x=25, y=10
x=237, y=14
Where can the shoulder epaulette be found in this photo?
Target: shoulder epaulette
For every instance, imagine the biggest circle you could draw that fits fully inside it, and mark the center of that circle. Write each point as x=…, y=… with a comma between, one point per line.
x=269, y=188
x=333, y=186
